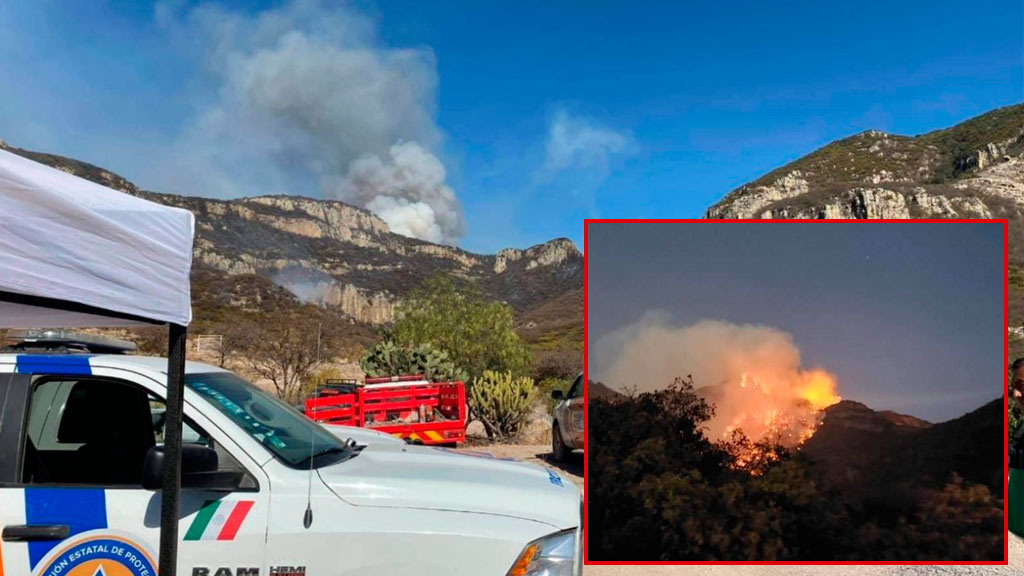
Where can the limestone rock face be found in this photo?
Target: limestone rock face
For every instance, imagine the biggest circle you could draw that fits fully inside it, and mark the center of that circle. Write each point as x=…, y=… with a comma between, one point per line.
x=503, y=257
x=334, y=254
x=881, y=203
x=750, y=198
x=1004, y=179
x=551, y=253
x=462, y=258
x=989, y=154
x=875, y=203
x=371, y=308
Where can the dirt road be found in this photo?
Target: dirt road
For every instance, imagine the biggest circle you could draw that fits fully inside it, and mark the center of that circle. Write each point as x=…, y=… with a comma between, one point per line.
x=573, y=468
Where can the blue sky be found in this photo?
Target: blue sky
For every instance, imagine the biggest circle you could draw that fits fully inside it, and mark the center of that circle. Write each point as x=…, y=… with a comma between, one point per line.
x=518, y=119
x=909, y=316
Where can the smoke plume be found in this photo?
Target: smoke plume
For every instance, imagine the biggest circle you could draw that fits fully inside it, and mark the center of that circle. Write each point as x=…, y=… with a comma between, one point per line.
x=306, y=95
x=310, y=285
x=751, y=373
x=407, y=190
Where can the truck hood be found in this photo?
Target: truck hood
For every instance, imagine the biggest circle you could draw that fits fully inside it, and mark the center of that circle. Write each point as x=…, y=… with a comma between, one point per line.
x=442, y=479
x=363, y=436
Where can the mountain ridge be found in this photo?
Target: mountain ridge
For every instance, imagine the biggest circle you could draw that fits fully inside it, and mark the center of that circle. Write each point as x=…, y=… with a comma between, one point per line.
x=598, y=390
x=974, y=169
x=854, y=443
x=331, y=253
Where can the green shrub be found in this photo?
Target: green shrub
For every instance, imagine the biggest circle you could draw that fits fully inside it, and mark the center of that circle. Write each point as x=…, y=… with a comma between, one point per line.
x=501, y=402
x=546, y=386
x=390, y=359
x=477, y=332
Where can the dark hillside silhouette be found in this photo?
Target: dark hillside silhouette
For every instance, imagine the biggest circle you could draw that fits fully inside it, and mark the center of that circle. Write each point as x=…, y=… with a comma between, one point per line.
x=896, y=488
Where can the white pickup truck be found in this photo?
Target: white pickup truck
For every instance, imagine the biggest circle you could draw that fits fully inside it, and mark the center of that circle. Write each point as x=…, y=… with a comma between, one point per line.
x=567, y=430
x=81, y=463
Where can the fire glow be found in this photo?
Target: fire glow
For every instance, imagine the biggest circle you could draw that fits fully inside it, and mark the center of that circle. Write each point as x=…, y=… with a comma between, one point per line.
x=752, y=374
x=787, y=412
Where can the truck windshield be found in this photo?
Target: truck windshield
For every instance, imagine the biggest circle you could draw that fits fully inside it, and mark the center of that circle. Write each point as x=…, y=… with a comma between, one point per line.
x=291, y=437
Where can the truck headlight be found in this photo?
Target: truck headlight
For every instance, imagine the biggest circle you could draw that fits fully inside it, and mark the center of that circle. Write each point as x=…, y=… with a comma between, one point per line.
x=553, y=555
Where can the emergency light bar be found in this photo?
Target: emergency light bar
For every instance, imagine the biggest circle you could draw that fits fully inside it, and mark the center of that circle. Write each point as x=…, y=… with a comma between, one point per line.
x=65, y=342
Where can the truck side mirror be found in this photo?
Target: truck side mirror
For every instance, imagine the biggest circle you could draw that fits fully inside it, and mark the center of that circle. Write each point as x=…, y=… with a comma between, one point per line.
x=557, y=395
x=198, y=470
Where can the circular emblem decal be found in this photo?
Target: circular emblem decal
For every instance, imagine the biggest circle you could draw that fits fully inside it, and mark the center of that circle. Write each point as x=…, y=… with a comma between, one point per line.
x=98, y=553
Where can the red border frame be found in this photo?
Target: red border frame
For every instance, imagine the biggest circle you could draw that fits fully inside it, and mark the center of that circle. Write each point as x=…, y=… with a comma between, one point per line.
x=1002, y=376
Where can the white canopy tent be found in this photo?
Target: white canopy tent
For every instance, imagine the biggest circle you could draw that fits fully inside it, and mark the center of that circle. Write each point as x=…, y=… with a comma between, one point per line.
x=74, y=253
x=66, y=238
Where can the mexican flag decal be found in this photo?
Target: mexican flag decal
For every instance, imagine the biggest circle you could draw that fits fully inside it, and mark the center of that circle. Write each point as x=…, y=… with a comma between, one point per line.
x=218, y=520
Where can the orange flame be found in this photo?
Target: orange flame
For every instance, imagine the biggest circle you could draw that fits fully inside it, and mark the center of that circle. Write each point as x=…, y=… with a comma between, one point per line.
x=780, y=408
x=819, y=388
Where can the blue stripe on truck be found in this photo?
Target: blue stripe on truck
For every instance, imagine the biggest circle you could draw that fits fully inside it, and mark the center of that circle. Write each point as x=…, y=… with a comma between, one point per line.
x=80, y=508
x=46, y=364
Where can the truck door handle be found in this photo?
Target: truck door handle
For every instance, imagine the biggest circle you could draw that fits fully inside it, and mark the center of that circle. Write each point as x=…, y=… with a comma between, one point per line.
x=25, y=533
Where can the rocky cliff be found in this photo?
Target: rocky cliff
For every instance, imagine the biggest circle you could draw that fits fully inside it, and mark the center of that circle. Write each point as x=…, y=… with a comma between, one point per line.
x=972, y=170
x=335, y=254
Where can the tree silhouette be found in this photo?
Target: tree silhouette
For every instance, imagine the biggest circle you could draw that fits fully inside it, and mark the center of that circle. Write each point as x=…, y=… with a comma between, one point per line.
x=659, y=489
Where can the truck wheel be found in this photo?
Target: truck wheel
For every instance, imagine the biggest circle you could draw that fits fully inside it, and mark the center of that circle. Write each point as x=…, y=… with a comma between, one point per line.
x=559, y=450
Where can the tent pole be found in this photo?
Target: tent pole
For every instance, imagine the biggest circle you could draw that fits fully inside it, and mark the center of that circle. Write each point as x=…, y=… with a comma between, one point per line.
x=172, y=451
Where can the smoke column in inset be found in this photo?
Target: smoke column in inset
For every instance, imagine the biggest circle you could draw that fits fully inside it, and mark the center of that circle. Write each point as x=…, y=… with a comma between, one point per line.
x=752, y=373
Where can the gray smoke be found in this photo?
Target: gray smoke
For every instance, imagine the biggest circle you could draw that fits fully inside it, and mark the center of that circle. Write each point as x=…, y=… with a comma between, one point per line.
x=652, y=351
x=753, y=372
x=307, y=92
x=310, y=285
x=407, y=190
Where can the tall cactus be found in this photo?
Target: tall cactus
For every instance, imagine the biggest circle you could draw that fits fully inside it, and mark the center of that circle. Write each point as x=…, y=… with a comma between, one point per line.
x=501, y=402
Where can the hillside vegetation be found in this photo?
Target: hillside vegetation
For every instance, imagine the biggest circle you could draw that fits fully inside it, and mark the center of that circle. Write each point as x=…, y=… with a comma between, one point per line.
x=660, y=490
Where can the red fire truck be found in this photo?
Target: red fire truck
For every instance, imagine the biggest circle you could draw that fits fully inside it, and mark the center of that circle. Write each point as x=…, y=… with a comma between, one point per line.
x=409, y=407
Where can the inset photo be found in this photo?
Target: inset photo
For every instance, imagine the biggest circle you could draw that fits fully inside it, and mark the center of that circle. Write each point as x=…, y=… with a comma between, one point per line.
x=797, y=392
